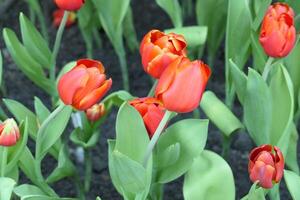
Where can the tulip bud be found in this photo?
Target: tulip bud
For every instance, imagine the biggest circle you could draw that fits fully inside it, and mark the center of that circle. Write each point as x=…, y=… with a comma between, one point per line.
x=84, y=85
x=151, y=111
x=70, y=5
x=266, y=165
x=58, y=16
x=95, y=112
x=158, y=50
x=182, y=84
x=9, y=133
x=278, y=33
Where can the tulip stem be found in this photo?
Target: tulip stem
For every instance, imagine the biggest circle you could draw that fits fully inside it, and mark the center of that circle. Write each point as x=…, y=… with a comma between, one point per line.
x=267, y=68
x=124, y=70
x=57, y=43
x=151, y=92
x=155, y=137
x=3, y=160
x=88, y=170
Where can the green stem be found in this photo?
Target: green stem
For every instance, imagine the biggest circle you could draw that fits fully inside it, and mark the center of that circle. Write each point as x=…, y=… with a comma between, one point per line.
x=4, y=160
x=97, y=38
x=57, y=43
x=196, y=113
x=155, y=137
x=88, y=170
x=124, y=70
x=42, y=21
x=267, y=68
x=79, y=188
x=151, y=92
x=226, y=146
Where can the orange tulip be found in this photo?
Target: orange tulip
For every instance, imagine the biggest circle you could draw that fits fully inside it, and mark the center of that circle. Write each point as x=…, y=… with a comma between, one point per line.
x=95, y=112
x=84, y=85
x=266, y=165
x=151, y=111
x=58, y=15
x=9, y=133
x=278, y=33
x=182, y=84
x=158, y=50
x=70, y=5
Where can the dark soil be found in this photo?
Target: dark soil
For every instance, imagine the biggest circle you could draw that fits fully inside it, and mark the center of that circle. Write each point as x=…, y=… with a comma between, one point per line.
x=147, y=16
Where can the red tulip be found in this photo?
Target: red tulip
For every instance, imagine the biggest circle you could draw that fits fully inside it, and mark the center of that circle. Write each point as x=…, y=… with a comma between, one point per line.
x=278, y=33
x=9, y=133
x=58, y=16
x=151, y=111
x=266, y=165
x=182, y=84
x=158, y=50
x=95, y=112
x=70, y=5
x=84, y=85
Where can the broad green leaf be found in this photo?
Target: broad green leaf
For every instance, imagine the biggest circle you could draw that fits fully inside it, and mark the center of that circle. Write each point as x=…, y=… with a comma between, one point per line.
x=258, y=108
x=129, y=31
x=77, y=137
x=1, y=68
x=220, y=114
x=34, y=42
x=173, y=9
x=209, y=178
x=117, y=98
x=281, y=88
x=16, y=151
x=65, y=167
x=237, y=39
x=111, y=166
x=291, y=157
x=169, y=156
x=51, y=130
x=259, y=56
x=26, y=189
x=14, y=173
x=194, y=35
x=32, y=69
x=239, y=80
x=262, y=6
x=216, y=23
x=292, y=181
x=27, y=165
x=41, y=110
x=190, y=135
x=131, y=135
x=7, y=186
x=255, y=193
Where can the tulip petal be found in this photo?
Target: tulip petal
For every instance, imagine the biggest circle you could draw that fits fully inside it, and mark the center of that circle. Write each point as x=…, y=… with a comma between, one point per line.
x=262, y=173
x=152, y=119
x=91, y=64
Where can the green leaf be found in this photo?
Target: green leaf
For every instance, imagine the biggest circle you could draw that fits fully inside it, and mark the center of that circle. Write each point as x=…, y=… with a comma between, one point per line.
x=190, y=135
x=111, y=166
x=39, y=197
x=7, y=186
x=27, y=165
x=173, y=9
x=77, y=137
x=209, y=178
x=1, y=68
x=16, y=151
x=283, y=108
x=291, y=157
x=237, y=39
x=27, y=189
x=32, y=69
x=255, y=193
x=129, y=31
x=169, y=156
x=292, y=181
x=117, y=98
x=216, y=23
x=263, y=6
x=41, y=110
x=239, y=80
x=220, y=114
x=259, y=56
x=194, y=35
x=65, y=167
x=258, y=108
x=51, y=130
x=34, y=42
x=131, y=138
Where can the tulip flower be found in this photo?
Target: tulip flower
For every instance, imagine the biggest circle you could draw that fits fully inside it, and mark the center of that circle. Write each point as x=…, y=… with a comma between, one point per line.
x=151, y=110
x=266, y=165
x=70, y=5
x=182, y=84
x=158, y=50
x=58, y=16
x=9, y=133
x=95, y=112
x=278, y=33
x=84, y=85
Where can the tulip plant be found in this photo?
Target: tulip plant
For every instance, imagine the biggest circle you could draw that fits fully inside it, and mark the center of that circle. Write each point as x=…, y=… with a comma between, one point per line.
x=155, y=143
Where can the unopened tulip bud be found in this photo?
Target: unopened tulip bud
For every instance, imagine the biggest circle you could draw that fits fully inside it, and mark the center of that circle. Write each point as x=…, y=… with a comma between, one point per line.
x=266, y=164
x=278, y=33
x=9, y=133
x=95, y=112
